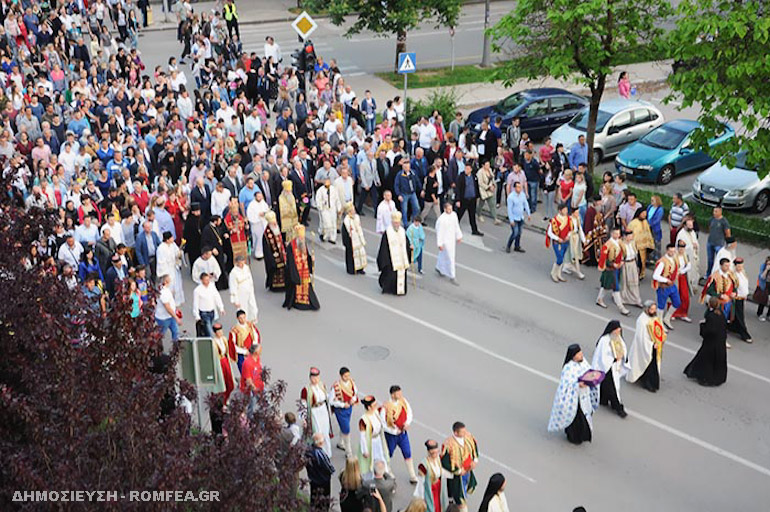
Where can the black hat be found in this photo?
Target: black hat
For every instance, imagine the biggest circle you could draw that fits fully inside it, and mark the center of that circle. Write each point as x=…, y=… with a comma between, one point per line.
x=195, y=207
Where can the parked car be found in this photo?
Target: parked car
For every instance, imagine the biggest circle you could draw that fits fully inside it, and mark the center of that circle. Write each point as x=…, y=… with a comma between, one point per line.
x=735, y=187
x=540, y=111
x=619, y=122
x=665, y=152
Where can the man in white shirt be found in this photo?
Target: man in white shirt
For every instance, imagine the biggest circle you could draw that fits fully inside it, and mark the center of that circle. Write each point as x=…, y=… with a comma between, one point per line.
x=87, y=233
x=728, y=251
x=426, y=132
x=665, y=279
x=384, y=211
x=220, y=199
x=165, y=310
x=207, y=304
x=206, y=264
x=116, y=231
x=70, y=252
x=272, y=49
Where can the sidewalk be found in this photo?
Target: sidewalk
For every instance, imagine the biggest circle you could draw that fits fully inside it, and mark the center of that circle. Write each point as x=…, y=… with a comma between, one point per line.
x=249, y=13
x=643, y=73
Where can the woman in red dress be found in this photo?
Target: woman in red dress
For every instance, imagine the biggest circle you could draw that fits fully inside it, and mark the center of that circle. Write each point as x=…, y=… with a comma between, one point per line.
x=176, y=208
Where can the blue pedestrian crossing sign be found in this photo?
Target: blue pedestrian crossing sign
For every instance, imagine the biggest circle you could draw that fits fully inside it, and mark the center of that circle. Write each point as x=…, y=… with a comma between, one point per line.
x=407, y=62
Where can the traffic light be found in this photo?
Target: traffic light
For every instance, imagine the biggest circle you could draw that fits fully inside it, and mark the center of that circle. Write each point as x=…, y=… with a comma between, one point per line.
x=298, y=60
x=310, y=58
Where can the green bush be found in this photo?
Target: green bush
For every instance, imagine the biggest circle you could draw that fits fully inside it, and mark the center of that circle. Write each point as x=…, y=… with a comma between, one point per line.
x=443, y=100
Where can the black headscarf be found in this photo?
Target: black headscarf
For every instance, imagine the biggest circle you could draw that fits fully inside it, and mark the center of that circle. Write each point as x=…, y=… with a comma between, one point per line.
x=496, y=481
x=614, y=324
x=571, y=351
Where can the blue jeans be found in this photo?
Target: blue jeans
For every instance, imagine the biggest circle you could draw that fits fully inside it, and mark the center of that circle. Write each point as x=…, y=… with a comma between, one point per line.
x=532, y=186
x=170, y=324
x=409, y=200
x=711, y=253
x=207, y=317
x=559, y=250
x=583, y=209
x=370, y=124
x=418, y=260
x=515, y=237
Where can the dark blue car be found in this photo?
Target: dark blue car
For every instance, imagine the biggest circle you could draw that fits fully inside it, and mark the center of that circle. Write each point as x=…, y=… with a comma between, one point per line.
x=540, y=111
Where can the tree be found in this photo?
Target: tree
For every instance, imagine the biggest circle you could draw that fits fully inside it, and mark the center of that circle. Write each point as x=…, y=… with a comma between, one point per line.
x=87, y=401
x=577, y=40
x=720, y=48
x=386, y=17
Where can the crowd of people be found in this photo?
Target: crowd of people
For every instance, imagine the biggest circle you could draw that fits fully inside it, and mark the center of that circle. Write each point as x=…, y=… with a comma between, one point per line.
x=151, y=174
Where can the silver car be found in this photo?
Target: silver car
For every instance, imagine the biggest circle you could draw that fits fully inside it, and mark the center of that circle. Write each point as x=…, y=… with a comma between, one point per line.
x=735, y=188
x=619, y=123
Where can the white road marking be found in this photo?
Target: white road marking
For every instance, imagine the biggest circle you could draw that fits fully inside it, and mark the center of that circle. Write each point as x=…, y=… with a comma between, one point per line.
x=582, y=311
x=475, y=346
x=509, y=469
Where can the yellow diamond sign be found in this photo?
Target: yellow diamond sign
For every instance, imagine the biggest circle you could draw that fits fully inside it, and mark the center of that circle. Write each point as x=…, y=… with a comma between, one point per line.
x=304, y=25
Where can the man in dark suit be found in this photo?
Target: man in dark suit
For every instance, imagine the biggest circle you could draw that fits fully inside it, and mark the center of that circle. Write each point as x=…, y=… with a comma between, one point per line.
x=467, y=193
x=147, y=243
x=115, y=273
x=413, y=143
x=266, y=185
x=301, y=187
x=211, y=236
x=201, y=194
x=232, y=183
x=455, y=167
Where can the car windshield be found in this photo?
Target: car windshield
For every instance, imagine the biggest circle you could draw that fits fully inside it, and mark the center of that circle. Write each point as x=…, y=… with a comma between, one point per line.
x=580, y=121
x=664, y=137
x=510, y=103
x=741, y=163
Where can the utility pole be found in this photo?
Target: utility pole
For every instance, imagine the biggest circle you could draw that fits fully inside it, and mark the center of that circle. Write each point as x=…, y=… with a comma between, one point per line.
x=487, y=44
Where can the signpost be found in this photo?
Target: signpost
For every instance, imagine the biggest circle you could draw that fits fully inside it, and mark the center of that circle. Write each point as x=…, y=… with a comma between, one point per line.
x=198, y=366
x=407, y=63
x=304, y=25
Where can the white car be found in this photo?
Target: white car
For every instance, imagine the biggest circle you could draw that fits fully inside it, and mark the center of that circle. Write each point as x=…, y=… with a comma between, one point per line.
x=619, y=122
x=734, y=188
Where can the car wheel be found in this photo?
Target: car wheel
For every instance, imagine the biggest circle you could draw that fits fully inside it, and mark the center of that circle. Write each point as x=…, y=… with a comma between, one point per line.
x=597, y=156
x=666, y=174
x=761, y=202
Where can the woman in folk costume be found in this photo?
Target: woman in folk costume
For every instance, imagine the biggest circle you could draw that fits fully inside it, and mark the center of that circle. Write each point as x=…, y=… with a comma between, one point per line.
x=354, y=241
x=317, y=409
x=372, y=446
x=629, y=273
x=287, y=210
x=558, y=233
x=642, y=237
x=431, y=485
x=574, y=402
x=647, y=349
x=225, y=353
x=575, y=240
x=255, y=213
x=275, y=255
x=494, y=497
x=169, y=262
x=610, y=358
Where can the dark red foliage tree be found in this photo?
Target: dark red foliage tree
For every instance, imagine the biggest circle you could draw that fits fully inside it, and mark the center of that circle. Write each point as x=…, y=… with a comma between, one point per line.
x=80, y=404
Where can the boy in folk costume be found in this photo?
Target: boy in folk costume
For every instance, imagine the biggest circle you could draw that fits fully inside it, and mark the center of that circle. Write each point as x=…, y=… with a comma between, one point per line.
x=317, y=409
x=242, y=336
x=372, y=446
x=342, y=397
x=559, y=230
x=287, y=209
x=397, y=416
x=432, y=479
x=575, y=241
x=664, y=281
x=610, y=263
x=460, y=456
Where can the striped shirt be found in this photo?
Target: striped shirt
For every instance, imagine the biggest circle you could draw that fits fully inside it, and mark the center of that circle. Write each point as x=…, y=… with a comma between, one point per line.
x=678, y=213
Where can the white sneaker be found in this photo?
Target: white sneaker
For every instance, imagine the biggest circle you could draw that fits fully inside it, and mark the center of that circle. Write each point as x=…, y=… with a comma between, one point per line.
x=762, y=319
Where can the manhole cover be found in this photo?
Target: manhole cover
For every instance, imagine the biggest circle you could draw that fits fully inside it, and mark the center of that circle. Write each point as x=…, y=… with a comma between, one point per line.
x=373, y=353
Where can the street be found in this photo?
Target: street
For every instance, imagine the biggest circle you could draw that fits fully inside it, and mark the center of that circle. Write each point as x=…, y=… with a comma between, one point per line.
x=489, y=353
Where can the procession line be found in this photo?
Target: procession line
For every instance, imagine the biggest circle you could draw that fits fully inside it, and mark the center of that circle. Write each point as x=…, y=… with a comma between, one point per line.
x=470, y=344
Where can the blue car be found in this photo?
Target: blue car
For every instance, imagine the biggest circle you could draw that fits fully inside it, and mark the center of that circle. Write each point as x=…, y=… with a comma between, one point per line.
x=665, y=152
x=540, y=111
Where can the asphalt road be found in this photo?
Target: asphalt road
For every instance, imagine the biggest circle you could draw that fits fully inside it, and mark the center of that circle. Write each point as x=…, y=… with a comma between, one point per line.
x=489, y=353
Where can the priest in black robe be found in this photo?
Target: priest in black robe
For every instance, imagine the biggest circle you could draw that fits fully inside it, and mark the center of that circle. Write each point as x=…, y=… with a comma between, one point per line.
x=299, y=274
x=192, y=234
x=275, y=255
x=211, y=236
x=709, y=366
x=394, y=257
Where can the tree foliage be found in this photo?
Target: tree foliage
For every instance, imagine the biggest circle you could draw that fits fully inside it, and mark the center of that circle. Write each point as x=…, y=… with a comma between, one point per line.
x=389, y=17
x=577, y=40
x=724, y=50
x=81, y=395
